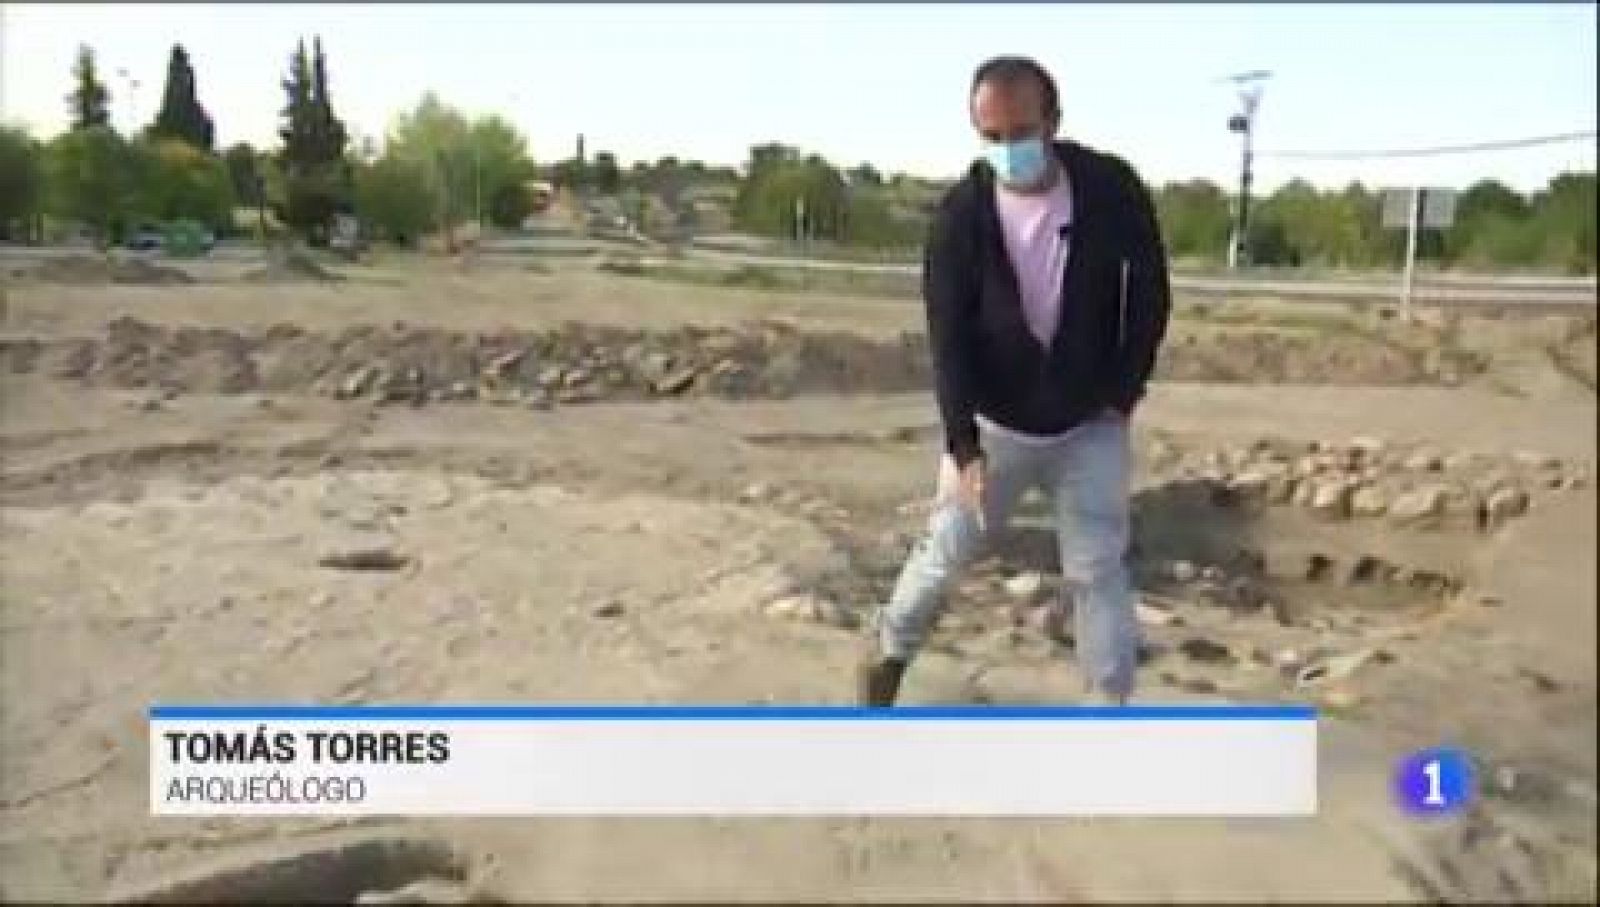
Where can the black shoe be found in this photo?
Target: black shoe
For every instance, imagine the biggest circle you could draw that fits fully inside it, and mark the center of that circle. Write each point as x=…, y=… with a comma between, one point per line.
x=879, y=681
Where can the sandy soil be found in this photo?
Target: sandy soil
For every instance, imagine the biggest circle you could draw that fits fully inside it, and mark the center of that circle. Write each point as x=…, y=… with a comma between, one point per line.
x=166, y=548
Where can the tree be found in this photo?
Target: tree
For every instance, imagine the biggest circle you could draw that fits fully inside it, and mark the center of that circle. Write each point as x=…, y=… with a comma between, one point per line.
x=317, y=177
x=90, y=101
x=244, y=172
x=177, y=181
x=510, y=205
x=865, y=174
x=22, y=184
x=1269, y=244
x=500, y=158
x=571, y=174
x=181, y=116
x=90, y=179
x=605, y=175
x=1195, y=219
x=392, y=196
x=1564, y=215
x=786, y=195
x=472, y=169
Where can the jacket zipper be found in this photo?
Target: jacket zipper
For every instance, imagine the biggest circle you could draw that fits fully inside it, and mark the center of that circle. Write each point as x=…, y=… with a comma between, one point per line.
x=1122, y=308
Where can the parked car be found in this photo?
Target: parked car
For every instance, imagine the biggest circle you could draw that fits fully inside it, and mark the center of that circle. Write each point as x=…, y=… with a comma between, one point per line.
x=179, y=238
x=145, y=238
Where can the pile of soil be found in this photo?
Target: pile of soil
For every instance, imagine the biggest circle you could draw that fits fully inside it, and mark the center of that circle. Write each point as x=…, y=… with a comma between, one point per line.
x=582, y=363
x=97, y=269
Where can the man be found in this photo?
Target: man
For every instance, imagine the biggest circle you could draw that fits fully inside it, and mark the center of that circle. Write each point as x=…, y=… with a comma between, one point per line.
x=1045, y=280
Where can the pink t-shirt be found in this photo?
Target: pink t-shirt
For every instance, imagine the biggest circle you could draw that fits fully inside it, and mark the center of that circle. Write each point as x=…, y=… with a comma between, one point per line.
x=1032, y=227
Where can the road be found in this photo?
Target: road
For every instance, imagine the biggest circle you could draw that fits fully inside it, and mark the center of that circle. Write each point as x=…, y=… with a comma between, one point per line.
x=1524, y=293
x=1537, y=292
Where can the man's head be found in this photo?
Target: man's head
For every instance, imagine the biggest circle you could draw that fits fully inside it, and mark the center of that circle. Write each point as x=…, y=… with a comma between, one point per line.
x=1016, y=111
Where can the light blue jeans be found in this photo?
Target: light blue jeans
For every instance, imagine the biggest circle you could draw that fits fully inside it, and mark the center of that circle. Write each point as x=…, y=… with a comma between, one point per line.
x=1084, y=475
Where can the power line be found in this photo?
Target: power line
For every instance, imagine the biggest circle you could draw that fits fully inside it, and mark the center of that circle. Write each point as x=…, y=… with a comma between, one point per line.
x=1429, y=152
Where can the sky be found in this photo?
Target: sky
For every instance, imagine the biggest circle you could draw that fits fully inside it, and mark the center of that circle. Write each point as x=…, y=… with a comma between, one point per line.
x=886, y=84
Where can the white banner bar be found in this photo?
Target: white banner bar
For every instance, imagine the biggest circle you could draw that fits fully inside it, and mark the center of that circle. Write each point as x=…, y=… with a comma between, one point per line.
x=794, y=761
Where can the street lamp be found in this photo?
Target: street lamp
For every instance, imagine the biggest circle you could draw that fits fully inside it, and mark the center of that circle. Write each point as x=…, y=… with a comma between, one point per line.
x=1243, y=123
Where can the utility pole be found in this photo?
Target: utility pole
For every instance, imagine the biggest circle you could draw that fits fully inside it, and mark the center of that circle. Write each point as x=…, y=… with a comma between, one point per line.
x=261, y=206
x=477, y=187
x=1243, y=123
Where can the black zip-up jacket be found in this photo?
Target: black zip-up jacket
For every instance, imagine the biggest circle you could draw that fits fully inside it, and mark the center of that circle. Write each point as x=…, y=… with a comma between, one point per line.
x=1114, y=307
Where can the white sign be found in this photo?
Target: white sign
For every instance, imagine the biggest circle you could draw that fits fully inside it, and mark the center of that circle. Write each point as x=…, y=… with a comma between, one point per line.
x=776, y=761
x=1438, y=208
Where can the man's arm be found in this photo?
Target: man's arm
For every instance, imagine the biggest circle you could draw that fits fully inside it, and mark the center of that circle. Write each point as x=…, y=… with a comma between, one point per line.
x=949, y=289
x=1149, y=300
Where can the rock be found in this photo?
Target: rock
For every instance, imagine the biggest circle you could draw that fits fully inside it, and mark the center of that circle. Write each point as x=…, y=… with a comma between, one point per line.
x=811, y=608
x=1213, y=574
x=1337, y=667
x=1025, y=585
x=1260, y=482
x=461, y=390
x=1154, y=615
x=1289, y=660
x=1252, y=655
x=1505, y=504
x=1161, y=454
x=1197, y=685
x=1367, y=569
x=1339, y=697
x=371, y=556
x=1197, y=648
x=1304, y=492
x=1330, y=499
x=1540, y=680
x=500, y=365
x=676, y=382
x=656, y=365
x=1425, y=461
x=1530, y=459
x=321, y=600
x=1419, y=505
x=552, y=377
x=1317, y=567
x=1368, y=448
x=834, y=614
x=576, y=378
x=358, y=382
x=1307, y=466
x=791, y=607
x=612, y=608
x=1183, y=571
x=755, y=492
x=1369, y=501
x=1242, y=594
x=1049, y=621
x=1575, y=482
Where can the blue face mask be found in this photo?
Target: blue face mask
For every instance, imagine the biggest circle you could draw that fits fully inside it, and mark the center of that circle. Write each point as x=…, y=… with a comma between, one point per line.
x=1018, y=163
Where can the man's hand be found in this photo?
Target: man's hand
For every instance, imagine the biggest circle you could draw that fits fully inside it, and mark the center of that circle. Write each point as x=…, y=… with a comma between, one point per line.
x=967, y=485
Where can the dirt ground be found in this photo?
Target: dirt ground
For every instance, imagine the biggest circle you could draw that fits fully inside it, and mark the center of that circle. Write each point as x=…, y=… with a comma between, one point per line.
x=1394, y=522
